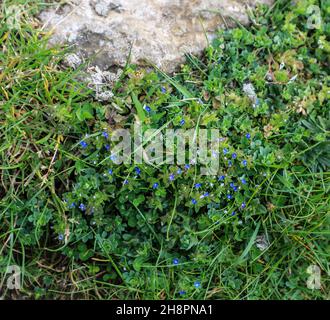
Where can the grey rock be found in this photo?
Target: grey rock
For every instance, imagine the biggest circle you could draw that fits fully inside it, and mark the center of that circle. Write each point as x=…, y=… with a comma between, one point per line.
x=157, y=31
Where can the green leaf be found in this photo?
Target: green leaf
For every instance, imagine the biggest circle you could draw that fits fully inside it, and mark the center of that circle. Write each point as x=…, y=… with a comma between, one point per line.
x=84, y=256
x=85, y=112
x=138, y=107
x=250, y=244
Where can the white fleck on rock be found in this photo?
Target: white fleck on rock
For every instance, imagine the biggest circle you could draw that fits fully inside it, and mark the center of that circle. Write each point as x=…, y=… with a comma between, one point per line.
x=104, y=96
x=103, y=7
x=102, y=82
x=72, y=60
x=249, y=91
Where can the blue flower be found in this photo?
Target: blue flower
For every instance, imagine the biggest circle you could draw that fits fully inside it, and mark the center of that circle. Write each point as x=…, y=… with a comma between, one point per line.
x=198, y=185
x=233, y=213
x=147, y=108
x=107, y=147
x=232, y=184
x=182, y=292
x=225, y=151
x=72, y=205
x=83, y=144
x=171, y=177
x=110, y=171
x=248, y=136
x=155, y=185
x=235, y=188
x=230, y=163
x=82, y=207
x=243, y=181
x=197, y=284
x=206, y=194
x=113, y=157
x=175, y=261
x=243, y=205
x=221, y=178
x=234, y=155
x=163, y=89
x=61, y=237
x=179, y=171
x=244, y=163
x=137, y=170
x=194, y=201
x=105, y=134
x=229, y=196
x=125, y=182
x=187, y=166
x=182, y=122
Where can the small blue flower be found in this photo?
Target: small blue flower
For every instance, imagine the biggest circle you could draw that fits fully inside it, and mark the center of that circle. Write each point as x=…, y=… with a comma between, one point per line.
x=230, y=163
x=83, y=144
x=229, y=196
x=221, y=178
x=61, y=237
x=193, y=201
x=182, y=292
x=243, y=181
x=232, y=184
x=206, y=194
x=147, y=108
x=198, y=185
x=72, y=205
x=234, y=155
x=197, y=284
x=248, y=136
x=137, y=170
x=125, y=182
x=233, y=213
x=179, y=171
x=225, y=151
x=155, y=185
x=110, y=171
x=82, y=207
x=175, y=261
x=235, y=188
x=107, y=147
x=244, y=163
x=243, y=205
x=182, y=122
x=187, y=166
x=163, y=89
x=172, y=177
x=113, y=157
x=105, y=134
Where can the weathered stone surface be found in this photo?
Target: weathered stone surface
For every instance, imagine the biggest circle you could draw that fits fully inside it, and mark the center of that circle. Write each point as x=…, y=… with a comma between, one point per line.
x=157, y=30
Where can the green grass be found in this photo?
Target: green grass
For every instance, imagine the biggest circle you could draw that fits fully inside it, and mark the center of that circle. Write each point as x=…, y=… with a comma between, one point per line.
x=45, y=111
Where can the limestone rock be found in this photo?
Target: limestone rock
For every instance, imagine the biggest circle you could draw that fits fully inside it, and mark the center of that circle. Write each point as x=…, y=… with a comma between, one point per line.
x=160, y=31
